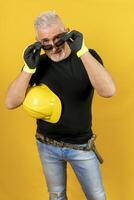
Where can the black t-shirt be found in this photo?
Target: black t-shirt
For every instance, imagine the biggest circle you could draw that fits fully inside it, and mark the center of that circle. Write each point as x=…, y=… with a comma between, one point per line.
x=69, y=80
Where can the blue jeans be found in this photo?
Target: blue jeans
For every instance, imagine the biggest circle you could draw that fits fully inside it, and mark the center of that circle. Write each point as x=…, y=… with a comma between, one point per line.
x=84, y=163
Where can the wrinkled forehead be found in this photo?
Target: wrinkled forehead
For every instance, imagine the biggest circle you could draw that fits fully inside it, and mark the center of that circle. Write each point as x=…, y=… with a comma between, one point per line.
x=49, y=33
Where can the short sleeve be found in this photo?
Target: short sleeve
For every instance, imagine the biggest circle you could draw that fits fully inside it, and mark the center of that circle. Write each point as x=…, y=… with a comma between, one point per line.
x=96, y=56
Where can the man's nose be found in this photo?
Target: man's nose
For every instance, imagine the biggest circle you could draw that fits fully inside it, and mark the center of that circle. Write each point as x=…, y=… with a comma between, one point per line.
x=52, y=42
x=54, y=47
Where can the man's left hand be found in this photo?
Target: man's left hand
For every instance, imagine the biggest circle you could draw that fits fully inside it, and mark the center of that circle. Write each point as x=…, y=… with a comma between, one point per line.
x=76, y=42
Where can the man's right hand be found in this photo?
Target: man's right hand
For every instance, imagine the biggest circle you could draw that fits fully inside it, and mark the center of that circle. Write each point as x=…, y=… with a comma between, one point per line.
x=31, y=57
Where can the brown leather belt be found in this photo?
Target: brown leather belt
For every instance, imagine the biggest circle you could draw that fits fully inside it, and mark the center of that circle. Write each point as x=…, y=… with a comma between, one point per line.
x=90, y=145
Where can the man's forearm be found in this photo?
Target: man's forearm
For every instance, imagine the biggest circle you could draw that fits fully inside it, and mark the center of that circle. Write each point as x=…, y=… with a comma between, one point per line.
x=99, y=77
x=17, y=90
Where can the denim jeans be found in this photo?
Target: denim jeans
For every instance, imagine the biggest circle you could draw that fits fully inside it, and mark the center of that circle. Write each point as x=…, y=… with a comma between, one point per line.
x=84, y=163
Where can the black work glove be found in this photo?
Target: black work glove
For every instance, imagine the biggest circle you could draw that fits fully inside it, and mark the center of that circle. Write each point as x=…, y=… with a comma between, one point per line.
x=31, y=57
x=76, y=42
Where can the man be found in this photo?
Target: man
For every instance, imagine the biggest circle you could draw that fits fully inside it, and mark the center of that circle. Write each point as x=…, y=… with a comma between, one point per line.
x=72, y=72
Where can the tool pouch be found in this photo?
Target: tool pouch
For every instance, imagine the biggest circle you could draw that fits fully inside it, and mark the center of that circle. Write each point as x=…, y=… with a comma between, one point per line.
x=92, y=145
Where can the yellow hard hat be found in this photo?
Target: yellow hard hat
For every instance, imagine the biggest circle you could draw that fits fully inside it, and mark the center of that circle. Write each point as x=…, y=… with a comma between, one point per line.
x=41, y=103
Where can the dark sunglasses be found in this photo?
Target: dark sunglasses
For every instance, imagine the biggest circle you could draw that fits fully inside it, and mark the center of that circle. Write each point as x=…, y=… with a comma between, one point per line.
x=60, y=41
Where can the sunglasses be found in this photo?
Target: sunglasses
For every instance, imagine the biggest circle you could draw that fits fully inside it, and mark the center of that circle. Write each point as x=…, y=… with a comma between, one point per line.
x=58, y=41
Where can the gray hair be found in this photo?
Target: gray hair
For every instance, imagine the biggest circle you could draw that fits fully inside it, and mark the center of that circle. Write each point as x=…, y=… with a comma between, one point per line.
x=47, y=19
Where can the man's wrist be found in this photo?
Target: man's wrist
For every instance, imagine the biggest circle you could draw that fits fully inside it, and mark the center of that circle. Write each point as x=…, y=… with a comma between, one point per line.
x=83, y=50
x=28, y=69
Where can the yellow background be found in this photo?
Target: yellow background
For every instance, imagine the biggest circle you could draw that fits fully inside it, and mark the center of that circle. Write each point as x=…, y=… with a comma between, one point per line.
x=108, y=27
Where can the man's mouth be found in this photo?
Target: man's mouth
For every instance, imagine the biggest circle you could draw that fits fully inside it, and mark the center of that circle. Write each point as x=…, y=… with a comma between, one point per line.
x=58, y=51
